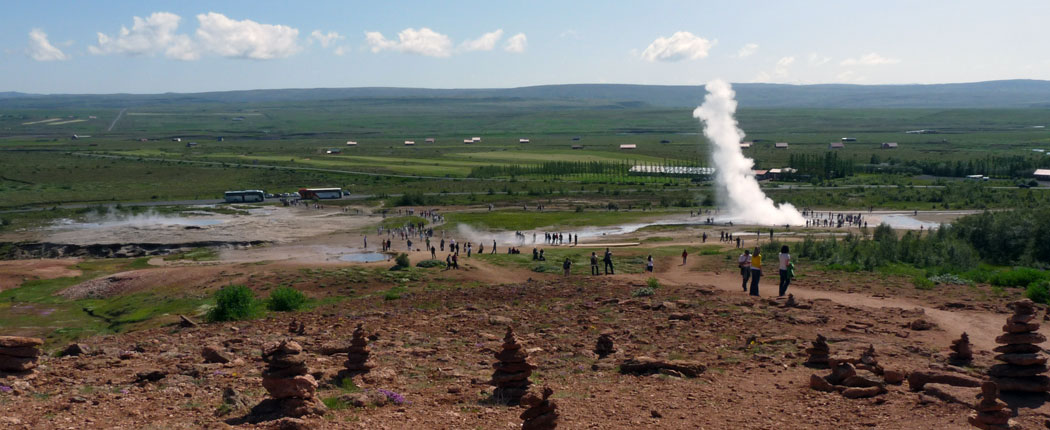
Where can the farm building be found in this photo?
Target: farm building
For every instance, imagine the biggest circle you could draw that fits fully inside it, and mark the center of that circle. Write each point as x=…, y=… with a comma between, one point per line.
x=523, y=140
x=761, y=174
x=745, y=145
x=334, y=151
x=351, y=143
x=476, y=139
x=409, y=143
x=428, y=140
x=977, y=177
x=775, y=174
x=468, y=141
x=836, y=145
x=889, y=145
x=577, y=146
x=628, y=146
x=1042, y=174
x=176, y=139
x=849, y=139
x=780, y=145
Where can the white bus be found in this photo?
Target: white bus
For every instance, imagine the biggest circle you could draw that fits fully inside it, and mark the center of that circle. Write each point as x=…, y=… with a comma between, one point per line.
x=245, y=196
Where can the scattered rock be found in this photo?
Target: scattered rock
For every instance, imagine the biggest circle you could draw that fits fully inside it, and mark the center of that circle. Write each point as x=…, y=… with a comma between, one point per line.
x=648, y=365
x=186, y=322
x=215, y=354
x=150, y=376
x=917, y=380
x=74, y=349
x=921, y=325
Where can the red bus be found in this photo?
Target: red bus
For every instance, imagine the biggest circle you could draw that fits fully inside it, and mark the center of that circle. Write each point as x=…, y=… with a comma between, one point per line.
x=321, y=193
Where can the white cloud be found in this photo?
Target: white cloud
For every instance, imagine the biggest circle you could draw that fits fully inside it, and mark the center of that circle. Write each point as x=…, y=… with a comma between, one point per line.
x=326, y=39
x=486, y=42
x=422, y=42
x=747, y=50
x=871, y=59
x=147, y=36
x=680, y=46
x=849, y=76
x=246, y=38
x=340, y=51
x=817, y=60
x=40, y=49
x=182, y=48
x=780, y=70
x=516, y=43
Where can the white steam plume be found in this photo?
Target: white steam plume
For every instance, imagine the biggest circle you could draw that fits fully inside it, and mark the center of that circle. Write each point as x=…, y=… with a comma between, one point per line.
x=738, y=190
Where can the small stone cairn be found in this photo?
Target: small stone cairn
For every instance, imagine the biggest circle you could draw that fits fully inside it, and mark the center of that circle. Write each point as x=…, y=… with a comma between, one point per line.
x=1024, y=366
x=542, y=413
x=19, y=355
x=869, y=362
x=358, y=357
x=818, y=353
x=513, y=369
x=962, y=350
x=287, y=379
x=991, y=413
x=605, y=347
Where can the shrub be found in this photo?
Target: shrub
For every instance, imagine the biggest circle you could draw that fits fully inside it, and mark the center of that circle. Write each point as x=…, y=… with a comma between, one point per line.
x=950, y=279
x=922, y=283
x=1039, y=292
x=286, y=299
x=402, y=260
x=426, y=264
x=643, y=292
x=652, y=283
x=1019, y=277
x=232, y=303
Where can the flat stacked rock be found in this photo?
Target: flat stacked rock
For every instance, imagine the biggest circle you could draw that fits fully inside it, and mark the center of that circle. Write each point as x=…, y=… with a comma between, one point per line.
x=358, y=356
x=513, y=369
x=19, y=354
x=605, y=346
x=991, y=413
x=868, y=361
x=287, y=379
x=962, y=350
x=1024, y=365
x=818, y=353
x=846, y=380
x=296, y=327
x=542, y=413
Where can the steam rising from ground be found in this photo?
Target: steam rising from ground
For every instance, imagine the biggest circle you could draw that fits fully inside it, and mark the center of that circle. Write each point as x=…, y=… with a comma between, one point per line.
x=737, y=189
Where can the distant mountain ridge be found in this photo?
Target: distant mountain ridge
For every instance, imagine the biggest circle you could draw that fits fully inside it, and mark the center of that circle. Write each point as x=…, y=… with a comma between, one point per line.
x=989, y=94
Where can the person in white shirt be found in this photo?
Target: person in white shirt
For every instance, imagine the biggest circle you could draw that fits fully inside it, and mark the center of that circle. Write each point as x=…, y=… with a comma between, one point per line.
x=745, y=267
x=785, y=272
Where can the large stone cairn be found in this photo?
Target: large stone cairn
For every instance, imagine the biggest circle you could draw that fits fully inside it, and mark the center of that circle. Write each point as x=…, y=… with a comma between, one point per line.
x=19, y=354
x=962, y=350
x=513, y=369
x=1024, y=365
x=818, y=353
x=288, y=380
x=991, y=413
x=542, y=413
x=358, y=357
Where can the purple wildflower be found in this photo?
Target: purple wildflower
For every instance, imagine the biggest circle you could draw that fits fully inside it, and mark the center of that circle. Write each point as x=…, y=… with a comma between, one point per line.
x=396, y=398
x=5, y=389
x=124, y=391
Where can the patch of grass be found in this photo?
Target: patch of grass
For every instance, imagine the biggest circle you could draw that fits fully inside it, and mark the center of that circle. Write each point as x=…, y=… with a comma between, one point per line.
x=347, y=385
x=394, y=293
x=196, y=254
x=335, y=403
x=286, y=299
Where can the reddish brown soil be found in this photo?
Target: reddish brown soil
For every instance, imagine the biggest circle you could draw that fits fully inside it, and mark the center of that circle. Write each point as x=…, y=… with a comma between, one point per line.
x=14, y=272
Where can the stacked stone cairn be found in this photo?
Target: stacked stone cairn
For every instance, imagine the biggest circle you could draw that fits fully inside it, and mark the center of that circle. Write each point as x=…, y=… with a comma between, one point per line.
x=991, y=413
x=287, y=379
x=19, y=355
x=542, y=413
x=845, y=379
x=818, y=353
x=605, y=347
x=1024, y=366
x=513, y=369
x=358, y=357
x=962, y=350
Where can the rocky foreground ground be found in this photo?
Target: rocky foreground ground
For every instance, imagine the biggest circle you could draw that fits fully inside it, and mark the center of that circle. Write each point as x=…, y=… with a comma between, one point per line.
x=689, y=357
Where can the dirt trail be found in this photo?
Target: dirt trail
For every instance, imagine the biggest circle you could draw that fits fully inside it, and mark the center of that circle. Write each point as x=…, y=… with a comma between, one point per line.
x=982, y=327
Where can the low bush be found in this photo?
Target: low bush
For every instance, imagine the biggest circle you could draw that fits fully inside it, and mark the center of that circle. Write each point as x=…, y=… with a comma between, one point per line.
x=1039, y=292
x=402, y=261
x=426, y=264
x=923, y=283
x=652, y=283
x=232, y=303
x=286, y=299
x=1018, y=277
x=643, y=292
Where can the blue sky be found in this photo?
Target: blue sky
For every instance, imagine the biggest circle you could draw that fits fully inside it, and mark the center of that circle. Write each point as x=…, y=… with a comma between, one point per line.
x=187, y=46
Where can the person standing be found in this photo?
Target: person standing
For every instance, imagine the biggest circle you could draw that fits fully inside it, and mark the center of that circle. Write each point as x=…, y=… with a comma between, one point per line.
x=433, y=252
x=756, y=270
x=567, y=265
x=470, y=248
x=366, y=242
x=744, y=262
x=685, y=255
x=455, y=261
x=608, y=262
x=704, y=238
x=649, y=264
x=594, y=263
x=493, y=246
x=785, y=273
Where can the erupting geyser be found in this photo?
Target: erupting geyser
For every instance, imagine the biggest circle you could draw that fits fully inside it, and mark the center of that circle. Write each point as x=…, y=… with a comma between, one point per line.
x=738, y=190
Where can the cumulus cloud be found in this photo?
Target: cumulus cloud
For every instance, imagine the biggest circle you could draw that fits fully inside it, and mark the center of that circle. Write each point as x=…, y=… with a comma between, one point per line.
x=516, y=44
x=326, y=39
x=870, y=59
x=486, y=42
x=747, y=50
x=40, y=49
x=817, y=60
x=780, y=70
x=422, y=42
x=682, y=45
x=147, y=36
x=245, y=38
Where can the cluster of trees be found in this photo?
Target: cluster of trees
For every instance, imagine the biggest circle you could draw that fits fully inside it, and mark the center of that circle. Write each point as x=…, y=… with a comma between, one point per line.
x=820, y=166
x=1015, y=166
x=1014, y=237
x=597, y=169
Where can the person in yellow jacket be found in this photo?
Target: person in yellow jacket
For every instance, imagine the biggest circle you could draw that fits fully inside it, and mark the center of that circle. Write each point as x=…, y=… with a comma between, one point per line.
x=756, y=270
